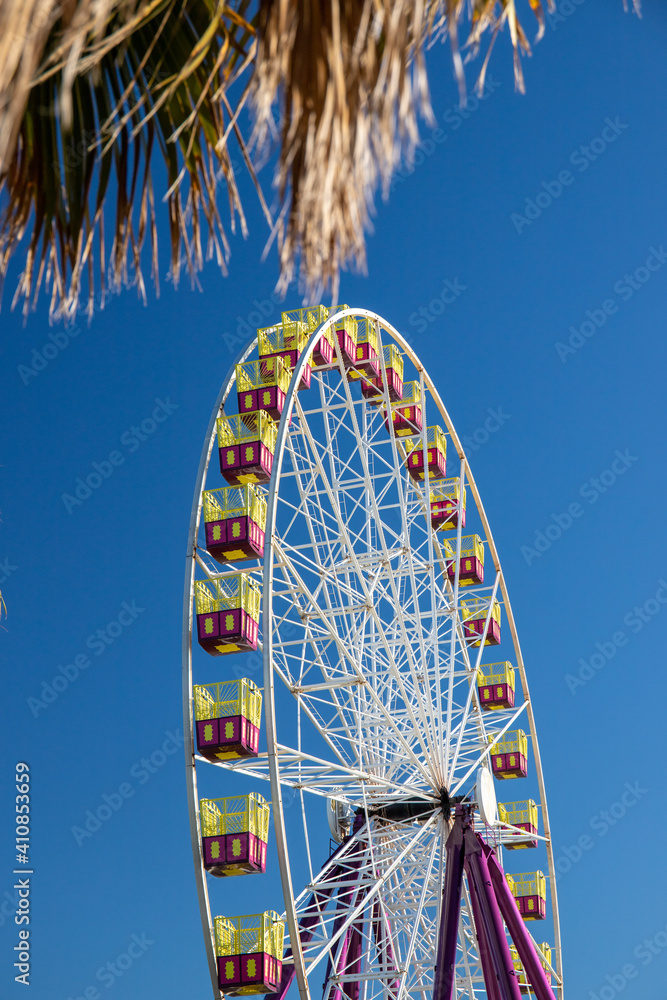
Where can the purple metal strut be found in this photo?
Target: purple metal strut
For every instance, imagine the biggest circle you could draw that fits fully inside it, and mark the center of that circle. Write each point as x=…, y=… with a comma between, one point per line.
x=445, y=968
x=527, y=953
x=480, y=884
x=490, y=981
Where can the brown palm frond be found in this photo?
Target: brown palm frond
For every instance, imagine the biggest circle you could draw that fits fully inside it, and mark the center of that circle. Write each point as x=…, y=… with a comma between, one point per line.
x=352, y=81
x=97, y=95
x=98, y=91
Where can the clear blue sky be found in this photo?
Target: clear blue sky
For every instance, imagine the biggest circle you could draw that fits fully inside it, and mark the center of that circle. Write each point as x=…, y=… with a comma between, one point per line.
x=594, y=252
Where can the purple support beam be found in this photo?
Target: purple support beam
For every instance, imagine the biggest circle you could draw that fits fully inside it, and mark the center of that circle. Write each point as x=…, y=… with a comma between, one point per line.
x=480, y=884
x=448, y=932
x=522, y=940
x=490, y=981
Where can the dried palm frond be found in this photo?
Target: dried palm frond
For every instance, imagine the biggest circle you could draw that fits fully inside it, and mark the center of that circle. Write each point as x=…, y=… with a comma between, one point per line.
x=352, y=81
x=96, y=94
x=91, y=93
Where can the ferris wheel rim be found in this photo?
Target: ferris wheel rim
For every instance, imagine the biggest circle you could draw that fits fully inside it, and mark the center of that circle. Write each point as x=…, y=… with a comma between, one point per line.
x=273, y=491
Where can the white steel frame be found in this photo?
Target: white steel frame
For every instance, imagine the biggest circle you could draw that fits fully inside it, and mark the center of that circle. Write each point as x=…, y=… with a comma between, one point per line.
x=363, y=637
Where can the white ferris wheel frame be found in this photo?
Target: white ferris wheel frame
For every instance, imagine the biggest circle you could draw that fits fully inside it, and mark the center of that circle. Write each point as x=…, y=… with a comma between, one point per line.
x=276, y=753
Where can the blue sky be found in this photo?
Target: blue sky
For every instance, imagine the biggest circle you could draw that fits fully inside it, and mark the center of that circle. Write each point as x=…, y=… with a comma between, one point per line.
x=556, y=322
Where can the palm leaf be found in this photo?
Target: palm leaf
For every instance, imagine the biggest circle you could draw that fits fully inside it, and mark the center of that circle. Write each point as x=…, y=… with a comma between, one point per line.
x=94, y=94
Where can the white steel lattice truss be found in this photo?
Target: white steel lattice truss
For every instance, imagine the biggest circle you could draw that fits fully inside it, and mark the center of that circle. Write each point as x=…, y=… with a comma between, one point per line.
x=373, y=688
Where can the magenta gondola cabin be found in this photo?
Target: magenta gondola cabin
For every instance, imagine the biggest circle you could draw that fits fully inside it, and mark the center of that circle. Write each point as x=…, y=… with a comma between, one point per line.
x=495, y=696
x=235, y=831
x=346, y=335
x=238, y=972
x=445, y=505
x=246, y=446
x=227, y=614
x=249, y=953
x=227, y=719
x=509, y=765
x=373, y=389
x=471, y=570
x=473, y=629
x=445, y=514
x=234, y=522
x=234, y=854
x=437, y=465
x=219, y=739
x=532, y=907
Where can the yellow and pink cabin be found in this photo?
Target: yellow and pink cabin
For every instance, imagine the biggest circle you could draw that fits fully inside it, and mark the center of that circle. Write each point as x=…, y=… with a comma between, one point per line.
x=234, y=523
x=509, y=756
x=373, y=389
x=246, y=446
x=263, y=385
x=436, y=454
x=227, y=614
x=346, y=334
x=474, y=611
x=530, y=892
x=312, y=317
x=523, y=815
x=495, y=686
x=445, y=505
x=235, y=832
x=366, y=357
x=287, y=341
x=249, y=952
x=407, y=418
x=471, y=562
x=227, y=719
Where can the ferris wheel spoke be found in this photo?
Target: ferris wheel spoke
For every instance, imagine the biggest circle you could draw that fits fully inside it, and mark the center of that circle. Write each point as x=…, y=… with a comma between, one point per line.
x=372, y=891
x=423, y=725
x=416, y=919
x=346, y=656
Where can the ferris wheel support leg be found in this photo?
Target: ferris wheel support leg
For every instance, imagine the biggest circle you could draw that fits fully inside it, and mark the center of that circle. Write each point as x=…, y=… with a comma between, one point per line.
x=445, y=968
x=479, y=880
x=490, y=981
x=522, y=940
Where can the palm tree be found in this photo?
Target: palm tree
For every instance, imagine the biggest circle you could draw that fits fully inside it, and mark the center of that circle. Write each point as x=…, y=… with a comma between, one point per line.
x=98, y=97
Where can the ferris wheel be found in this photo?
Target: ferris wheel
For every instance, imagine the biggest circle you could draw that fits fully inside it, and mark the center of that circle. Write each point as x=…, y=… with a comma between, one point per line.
x=341, y=536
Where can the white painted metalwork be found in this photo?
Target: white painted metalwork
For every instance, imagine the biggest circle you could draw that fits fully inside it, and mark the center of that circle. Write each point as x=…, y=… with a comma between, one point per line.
x=370, y=690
